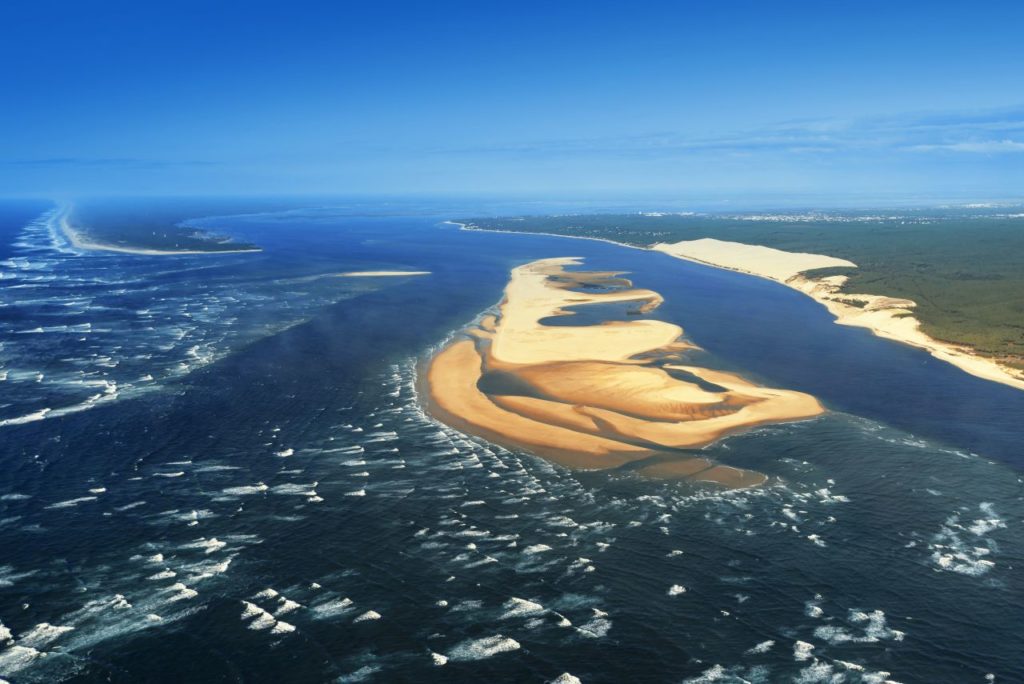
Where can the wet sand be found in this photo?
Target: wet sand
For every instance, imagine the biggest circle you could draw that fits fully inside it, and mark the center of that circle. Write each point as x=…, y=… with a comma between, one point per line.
x=599, y=396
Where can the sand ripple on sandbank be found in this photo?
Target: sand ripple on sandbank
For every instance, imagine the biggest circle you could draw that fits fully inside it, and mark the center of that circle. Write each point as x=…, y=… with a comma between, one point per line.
x=596, y=396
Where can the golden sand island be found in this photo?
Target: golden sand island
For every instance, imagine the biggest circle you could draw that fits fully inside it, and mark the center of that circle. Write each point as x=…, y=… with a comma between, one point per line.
x=614, y=394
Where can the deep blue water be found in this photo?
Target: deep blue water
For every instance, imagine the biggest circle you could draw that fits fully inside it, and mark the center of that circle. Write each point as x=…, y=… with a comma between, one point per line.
x=223, y=474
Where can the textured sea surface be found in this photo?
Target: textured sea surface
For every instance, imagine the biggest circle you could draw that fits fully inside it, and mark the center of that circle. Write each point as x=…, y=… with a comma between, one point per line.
x=216, y=468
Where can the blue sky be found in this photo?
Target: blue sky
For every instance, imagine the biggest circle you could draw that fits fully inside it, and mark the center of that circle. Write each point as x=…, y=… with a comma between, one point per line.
x=674, y=99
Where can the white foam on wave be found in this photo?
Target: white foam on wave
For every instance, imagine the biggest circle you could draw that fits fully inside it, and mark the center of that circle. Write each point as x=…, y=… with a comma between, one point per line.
x=48, y=412
x=535, y=549
x=70, y=503
x=802, y=650
x=261, y=619
x=8, y=576
x=480, y=649
x=516, y=608
x=951, y=553
x=183, y=593
x=873, y=628
x=208, y=545
x=282, y=628
x=163, y=574
x=368, y=616
x=43, y=635
x=676, y=590
x=245, y=490
x=287, y=606
x=17, y=658
x=597, y=627
x=762, y=647
x=295, y=489
x=332, y=608
x=715, y=673
x=566, y=678
x=360, y=675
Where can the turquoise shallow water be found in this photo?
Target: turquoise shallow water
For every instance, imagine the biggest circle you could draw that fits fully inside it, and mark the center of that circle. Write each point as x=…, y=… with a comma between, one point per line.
x=223, y=474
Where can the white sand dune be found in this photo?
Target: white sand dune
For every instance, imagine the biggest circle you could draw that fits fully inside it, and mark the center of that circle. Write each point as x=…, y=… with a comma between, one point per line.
x=887, y=317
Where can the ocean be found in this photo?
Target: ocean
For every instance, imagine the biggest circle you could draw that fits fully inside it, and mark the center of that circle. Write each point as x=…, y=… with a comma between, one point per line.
x=216, y=468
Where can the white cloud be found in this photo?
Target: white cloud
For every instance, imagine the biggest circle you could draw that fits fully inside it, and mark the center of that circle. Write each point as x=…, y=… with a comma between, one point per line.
x=975, y=147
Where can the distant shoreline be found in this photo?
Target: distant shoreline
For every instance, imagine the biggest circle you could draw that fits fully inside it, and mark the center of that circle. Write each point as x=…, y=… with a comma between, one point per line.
x=886, y=317
x=80, y=241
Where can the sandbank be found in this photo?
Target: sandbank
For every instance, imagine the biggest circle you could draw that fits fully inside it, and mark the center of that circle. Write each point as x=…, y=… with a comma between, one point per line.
x=597, y=396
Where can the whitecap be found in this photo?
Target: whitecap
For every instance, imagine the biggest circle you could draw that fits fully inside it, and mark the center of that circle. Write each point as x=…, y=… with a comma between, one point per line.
x=762, y=647
x=332, y=608
x=42, y=635
x=479, y=649
x=566, y=678
x=802, y=650
x=163, y=574
x=516, y=607
x=70, y=503
x=17, y=658
x=282, y=628
x=287, y=606
x=536, y=548
x=245, y=490
x=208, y=545
x=368, y=616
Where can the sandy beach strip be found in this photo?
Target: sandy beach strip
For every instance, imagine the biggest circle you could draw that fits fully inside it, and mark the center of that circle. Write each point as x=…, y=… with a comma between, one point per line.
x=597, y=396
x=887, y=317
x=379, y=274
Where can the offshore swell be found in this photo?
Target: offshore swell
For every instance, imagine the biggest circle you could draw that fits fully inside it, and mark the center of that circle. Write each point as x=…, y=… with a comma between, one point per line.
x=286, y=509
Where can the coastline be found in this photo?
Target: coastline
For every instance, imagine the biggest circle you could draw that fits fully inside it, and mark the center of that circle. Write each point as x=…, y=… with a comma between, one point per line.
x=79, y=240
x=886, y=317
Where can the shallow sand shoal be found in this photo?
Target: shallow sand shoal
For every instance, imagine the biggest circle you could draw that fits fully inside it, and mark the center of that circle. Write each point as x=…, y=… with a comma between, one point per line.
x=379, y=274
